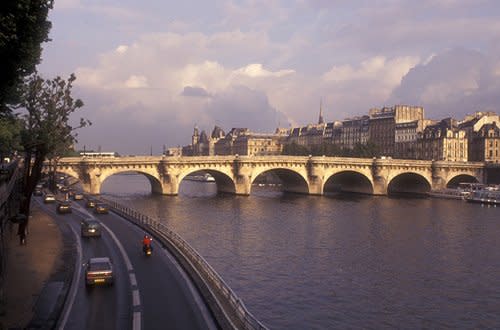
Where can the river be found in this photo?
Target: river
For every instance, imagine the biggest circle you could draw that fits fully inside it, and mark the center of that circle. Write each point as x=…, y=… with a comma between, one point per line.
x=323, y=262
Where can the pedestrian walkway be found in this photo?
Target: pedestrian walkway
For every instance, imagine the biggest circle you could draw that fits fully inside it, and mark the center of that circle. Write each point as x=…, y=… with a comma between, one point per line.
x=29, y=285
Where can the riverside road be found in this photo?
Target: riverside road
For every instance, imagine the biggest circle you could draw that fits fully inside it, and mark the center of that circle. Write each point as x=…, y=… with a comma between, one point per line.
x=148, y=293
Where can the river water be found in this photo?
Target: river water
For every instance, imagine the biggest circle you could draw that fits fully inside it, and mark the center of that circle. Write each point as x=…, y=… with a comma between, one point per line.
x=311, y=262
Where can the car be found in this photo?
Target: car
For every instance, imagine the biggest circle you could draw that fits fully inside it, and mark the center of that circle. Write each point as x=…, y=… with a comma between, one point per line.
x=64, y=189
x=90, y=227
x=77, y=196
x=90, y=203
x=64, y=207
x=101, y=208
x=99, y=271
x=37, y=192
x=49, y=198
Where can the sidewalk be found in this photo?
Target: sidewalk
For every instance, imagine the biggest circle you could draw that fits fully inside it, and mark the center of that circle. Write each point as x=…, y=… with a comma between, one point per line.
x=36, y=274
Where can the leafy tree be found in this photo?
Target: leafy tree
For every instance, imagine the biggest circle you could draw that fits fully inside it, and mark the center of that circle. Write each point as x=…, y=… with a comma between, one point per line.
x=10, y=130
x=295, y=149
x=23, y=28
x=46, y=133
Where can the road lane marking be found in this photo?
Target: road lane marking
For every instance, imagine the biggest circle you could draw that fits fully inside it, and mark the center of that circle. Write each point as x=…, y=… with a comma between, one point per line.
x=74, y=282
x=136, y=323
x=133, y=279
x=135, y=298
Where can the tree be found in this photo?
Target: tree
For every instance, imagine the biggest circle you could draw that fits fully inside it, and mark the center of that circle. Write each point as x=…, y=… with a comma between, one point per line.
x=23, y=28
x=295, y=149
x=45, y=109
x=10, y=130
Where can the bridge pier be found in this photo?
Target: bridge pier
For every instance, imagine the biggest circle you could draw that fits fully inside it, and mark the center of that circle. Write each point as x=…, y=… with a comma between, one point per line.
x=169, y=185
x=92, y=188
x=242, y=186
x=379, y=182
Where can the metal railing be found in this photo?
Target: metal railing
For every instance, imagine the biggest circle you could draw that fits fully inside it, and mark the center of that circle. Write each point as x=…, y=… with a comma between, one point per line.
x=224, y=302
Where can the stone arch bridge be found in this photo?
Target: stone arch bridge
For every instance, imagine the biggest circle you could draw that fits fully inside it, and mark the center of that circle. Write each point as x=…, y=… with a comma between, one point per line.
x=299, y=174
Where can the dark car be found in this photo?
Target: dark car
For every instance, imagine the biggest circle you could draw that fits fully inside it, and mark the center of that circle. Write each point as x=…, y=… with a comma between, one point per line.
x=37, y=192
x=99, y=271
x=101, y=208
x=90, y=203
x=64, y=207
x=90, y=227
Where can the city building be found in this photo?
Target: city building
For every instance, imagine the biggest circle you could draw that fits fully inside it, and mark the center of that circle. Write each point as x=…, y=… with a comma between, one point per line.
x=443, y=141
x=383, y=123
x=484, y=145
x=481, y=129
x=202, y=144
x=354, y=131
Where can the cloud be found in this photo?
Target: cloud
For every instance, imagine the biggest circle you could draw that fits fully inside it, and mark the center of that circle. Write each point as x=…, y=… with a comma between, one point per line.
x=191, y=91
x=375, y=68
x=240, y=106
x=453, y=83
x=121, y=49
x=256, y=70
x=136, y=82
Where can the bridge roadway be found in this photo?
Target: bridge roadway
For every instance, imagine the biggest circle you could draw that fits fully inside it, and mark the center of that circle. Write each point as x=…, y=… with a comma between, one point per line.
x=149, y=293
x=299, y=174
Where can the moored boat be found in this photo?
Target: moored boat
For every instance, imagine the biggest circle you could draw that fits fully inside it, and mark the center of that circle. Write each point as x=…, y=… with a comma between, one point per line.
x=485, y=197
x=449, y=193
x=200, y=177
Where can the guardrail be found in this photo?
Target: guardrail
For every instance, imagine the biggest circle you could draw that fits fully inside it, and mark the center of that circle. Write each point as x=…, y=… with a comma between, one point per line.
x=226, y=306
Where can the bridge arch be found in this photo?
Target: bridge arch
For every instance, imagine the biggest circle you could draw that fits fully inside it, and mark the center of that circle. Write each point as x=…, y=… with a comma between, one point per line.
x=69, y=171
x=454, y=181
x=348, y=181
x=156, y=186
x=409, y=182
x=223, y=181
x=292, y=181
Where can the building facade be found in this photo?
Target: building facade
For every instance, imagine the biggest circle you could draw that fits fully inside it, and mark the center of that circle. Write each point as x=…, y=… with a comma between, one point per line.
x=443, y=141
x=484, y=145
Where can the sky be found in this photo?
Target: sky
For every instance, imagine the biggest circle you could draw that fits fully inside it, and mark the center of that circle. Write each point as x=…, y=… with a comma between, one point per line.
x=149, y=71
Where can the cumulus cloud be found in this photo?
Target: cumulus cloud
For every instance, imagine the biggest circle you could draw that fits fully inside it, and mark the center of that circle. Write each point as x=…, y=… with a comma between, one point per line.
x=240, y=106
x=453, y=83
x=256, y=70
x=135, y=81
x=193, y=91
x=121, y=49
x=376, y=68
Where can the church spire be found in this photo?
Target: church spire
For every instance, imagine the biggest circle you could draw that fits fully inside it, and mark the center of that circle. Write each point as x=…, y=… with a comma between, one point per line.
x=320, y=119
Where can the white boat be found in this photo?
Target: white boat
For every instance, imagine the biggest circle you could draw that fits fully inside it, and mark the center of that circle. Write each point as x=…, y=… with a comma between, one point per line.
x=486, y=196
x=449, y=193
x=200, y=178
